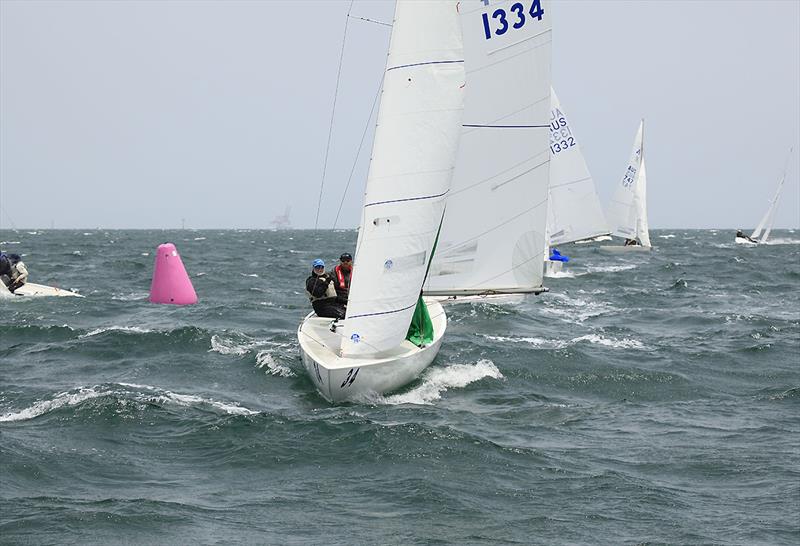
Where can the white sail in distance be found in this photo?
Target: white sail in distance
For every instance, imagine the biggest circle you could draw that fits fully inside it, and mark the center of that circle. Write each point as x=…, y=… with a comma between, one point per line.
x=574, y=212
x=769, y=217
x=413, y=156
x=493, y=236
x=627, y=214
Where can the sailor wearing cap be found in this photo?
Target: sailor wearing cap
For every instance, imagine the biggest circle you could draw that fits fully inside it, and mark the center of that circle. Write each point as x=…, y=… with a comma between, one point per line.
x=321, y=291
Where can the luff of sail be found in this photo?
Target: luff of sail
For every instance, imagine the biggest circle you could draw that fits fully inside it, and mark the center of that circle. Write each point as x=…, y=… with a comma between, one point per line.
x=492, y=239
x=627, y=214
x=416, y=140
x=574, y=211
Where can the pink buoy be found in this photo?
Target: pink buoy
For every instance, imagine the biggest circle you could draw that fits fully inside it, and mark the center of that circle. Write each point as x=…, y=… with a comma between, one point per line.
x=171, y=283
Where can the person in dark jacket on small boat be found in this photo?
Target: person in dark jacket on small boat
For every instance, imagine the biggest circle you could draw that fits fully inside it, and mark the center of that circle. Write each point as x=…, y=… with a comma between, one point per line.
x=342, y=274
x=19, y=273
x=321, y=291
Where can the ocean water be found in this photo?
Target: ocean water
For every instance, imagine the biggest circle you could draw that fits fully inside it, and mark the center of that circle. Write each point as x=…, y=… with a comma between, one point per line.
x=647, y=399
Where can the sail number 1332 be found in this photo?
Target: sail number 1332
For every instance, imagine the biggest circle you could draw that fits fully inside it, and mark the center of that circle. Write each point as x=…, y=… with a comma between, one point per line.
x=503, y=20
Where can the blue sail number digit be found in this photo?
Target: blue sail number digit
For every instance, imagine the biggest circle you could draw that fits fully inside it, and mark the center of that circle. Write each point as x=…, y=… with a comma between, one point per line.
x=520, y=10
x=535, y=11
x=500, y=14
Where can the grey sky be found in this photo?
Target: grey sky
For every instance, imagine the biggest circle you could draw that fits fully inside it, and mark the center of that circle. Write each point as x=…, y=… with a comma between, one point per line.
x=140, y=113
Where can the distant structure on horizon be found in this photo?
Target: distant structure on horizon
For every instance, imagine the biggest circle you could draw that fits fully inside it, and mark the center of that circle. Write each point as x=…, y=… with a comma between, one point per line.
x=282, y=221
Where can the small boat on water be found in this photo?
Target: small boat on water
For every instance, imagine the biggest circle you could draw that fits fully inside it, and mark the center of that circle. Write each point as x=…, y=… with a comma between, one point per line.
x=573, y=210
x=484, y=156
x=627, y=214
x=33, y=290
x=768, y=220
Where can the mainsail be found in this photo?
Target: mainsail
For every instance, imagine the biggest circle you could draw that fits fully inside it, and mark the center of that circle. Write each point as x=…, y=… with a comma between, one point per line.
x=574, y=211
x=627, y=215
x=416, y=140
x=493, y=235
x=769, y=217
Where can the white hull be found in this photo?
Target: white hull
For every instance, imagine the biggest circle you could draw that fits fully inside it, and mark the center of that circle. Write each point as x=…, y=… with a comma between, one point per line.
x=37, y=290
x=553, y=268
x=629, y=248
x=743, y=241
x=346, y=378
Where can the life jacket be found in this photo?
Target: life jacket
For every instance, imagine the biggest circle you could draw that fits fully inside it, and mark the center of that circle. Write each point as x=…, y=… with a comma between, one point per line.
x=342, y=279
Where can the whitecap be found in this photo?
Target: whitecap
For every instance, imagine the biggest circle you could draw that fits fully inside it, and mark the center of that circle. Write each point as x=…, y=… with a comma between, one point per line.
x=670, y=236
x=610, y=268
x=59, y=401
x=436, y=381
x=626, y=343
x=265, y=359
x=9, y=242
x=199, y=238
x=249, y=275
x=129, y=329
x=133, y=296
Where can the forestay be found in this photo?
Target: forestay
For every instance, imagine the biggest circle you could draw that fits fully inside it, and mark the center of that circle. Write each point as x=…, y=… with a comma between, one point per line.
x=492, y=239
x=627, y=213
x=574, y=211
x=416, y=140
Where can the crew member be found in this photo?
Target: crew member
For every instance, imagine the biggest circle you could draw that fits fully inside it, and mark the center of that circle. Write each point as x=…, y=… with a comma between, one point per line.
x=19, y=273
x=342, y=274
x=321, y=291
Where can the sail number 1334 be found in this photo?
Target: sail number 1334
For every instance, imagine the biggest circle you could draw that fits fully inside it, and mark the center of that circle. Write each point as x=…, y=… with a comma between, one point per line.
x=503, y=20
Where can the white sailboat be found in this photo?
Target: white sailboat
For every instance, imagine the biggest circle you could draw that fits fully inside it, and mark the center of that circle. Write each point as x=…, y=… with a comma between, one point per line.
x=416, y=140
x=33, y=290
x=627, y=214
x=492, y=241
x=419, y=137
x=768, y=220
x=574, y=212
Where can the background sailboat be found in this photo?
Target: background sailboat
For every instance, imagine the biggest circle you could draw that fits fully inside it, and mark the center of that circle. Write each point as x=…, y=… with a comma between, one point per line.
x=493, y=237
x=416, y=140
x=768, y=219
x=574, y=212
x=627, y=214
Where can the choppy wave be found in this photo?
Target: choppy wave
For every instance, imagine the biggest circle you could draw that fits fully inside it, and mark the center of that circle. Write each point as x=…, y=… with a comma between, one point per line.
x=125, y=329
x=130, y=392
x=625, y=343
x=610, y=268
x=265, y=359
x=437, y=380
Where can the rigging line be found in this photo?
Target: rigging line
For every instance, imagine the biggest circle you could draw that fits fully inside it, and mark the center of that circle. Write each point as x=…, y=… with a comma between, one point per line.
x=369, y=20
x=358, y=153
x=10, y=220
x=333, y=114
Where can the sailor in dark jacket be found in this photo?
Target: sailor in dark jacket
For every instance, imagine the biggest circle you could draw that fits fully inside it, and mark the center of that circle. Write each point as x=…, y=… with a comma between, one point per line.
x=321, y=291
x=342, y=274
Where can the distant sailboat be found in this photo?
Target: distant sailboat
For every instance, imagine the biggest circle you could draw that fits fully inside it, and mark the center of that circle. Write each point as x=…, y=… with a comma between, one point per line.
x=627, y=214
x=768, y=219
x=574, y=212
